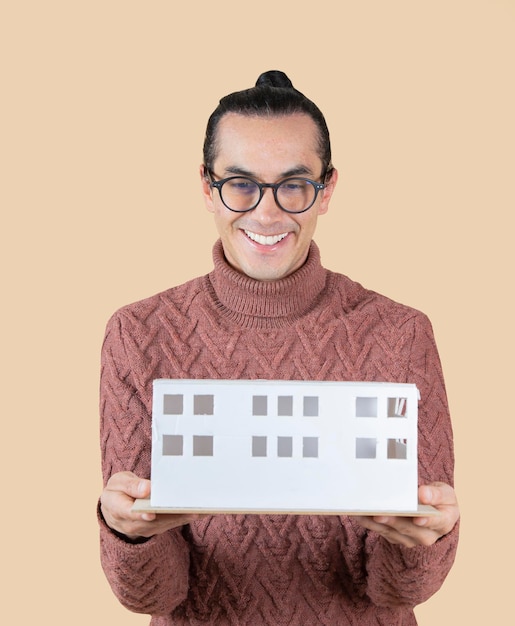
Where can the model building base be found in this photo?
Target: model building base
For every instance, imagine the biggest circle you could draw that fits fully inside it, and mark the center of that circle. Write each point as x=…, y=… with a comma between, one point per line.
x=144, y=506
x=275, y=446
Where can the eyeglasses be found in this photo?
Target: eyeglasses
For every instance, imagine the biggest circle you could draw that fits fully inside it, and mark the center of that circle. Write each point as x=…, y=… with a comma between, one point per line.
x=241, y=193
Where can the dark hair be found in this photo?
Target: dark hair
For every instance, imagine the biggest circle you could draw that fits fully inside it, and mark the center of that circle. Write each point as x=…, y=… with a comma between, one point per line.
x=273, y=95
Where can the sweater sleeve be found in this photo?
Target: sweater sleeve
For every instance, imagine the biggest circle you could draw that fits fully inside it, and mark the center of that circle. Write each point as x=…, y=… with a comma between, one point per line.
x=150, y=577
x=397, y=575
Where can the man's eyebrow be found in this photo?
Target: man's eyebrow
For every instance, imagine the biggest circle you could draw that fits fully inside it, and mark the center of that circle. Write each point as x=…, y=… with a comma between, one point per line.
x=298, y=170
x=238, y=171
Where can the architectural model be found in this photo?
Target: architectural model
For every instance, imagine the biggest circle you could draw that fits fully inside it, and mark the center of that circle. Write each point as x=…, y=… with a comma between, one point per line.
x=284, y=446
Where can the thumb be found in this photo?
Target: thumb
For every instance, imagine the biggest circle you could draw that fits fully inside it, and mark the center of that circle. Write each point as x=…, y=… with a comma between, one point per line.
x=436, y=494
x=130, y=484
x=140, y=488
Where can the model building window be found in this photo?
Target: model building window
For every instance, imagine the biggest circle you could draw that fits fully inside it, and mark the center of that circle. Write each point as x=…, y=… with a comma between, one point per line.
x=284, y=446
x=172, y=404
x=311, y=406
x=202, y=445
x=397, y=449
x=366, y=407
x=258, y=446
x=285, y=405
x=203, y=405
x=366, y=448
x=259, y=405
x=310, y=447
x=172, y=445
x=397, y=407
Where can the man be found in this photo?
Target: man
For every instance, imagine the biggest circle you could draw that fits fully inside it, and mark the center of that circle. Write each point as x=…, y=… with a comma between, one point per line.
x=269, y=310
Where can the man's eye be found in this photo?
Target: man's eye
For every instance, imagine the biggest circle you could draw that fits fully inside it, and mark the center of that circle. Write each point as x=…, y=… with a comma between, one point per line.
x=243, y=186
x=293, y=186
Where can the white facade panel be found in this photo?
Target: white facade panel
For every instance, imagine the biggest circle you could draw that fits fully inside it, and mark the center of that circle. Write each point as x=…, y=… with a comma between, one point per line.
x=284, y=445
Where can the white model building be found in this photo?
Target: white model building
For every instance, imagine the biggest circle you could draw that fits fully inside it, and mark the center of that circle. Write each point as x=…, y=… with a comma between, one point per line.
x=284, y=446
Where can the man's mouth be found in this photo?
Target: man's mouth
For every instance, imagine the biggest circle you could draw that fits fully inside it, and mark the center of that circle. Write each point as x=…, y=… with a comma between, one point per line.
x=265, y=240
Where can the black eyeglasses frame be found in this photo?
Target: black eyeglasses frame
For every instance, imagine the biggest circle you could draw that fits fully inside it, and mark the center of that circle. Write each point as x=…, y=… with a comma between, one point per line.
x=218, y=184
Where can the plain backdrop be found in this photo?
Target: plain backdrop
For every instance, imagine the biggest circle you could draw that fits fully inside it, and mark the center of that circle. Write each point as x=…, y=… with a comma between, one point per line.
x=103, y=112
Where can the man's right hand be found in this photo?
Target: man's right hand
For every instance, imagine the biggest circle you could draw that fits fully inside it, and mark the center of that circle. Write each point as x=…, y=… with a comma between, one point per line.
x=116, y=502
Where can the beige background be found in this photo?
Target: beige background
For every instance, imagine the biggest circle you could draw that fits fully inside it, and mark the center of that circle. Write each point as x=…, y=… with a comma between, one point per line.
x=104, y=107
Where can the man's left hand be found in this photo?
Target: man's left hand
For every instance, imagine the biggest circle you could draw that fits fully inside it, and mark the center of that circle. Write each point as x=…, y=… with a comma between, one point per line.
x=419, y=531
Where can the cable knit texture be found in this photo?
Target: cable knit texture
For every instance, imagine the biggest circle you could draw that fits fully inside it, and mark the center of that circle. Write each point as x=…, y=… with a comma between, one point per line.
x=274, y=570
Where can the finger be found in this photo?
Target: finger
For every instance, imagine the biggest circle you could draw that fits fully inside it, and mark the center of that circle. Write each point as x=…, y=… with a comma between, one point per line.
x=437, y=494
x=160, y=524
x=403, y=525
x=394, y=535
x=130, y=484
x=424, y=530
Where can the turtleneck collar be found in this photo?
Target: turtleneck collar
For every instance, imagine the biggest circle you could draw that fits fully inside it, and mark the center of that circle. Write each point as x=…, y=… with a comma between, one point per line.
x=266, y=304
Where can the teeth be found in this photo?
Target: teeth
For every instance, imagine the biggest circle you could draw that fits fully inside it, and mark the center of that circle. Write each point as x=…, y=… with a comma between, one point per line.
x=263, y=240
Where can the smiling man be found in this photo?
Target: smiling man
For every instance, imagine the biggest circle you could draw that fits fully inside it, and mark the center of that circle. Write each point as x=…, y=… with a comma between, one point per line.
x=259, y=238
x=269, y=310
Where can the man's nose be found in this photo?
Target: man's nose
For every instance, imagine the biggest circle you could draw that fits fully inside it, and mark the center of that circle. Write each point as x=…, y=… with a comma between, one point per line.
x=267, y=209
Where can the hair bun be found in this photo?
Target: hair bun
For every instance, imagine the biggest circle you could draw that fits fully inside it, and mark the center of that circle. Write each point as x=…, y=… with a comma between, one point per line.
x=274, y=78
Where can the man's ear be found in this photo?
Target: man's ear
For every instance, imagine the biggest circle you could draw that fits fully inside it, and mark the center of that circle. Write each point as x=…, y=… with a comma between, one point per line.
x=207, y=192
x=328, y=192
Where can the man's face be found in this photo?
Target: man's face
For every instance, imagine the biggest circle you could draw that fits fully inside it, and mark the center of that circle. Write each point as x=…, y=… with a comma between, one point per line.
x=268, y=150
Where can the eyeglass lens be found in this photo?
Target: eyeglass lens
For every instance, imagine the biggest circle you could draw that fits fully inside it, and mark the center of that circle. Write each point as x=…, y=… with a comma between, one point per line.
x=242, y=194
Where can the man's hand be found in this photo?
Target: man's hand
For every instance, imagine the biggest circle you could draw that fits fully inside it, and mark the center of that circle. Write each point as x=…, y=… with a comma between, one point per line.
x=116, y=502
x=419, y=531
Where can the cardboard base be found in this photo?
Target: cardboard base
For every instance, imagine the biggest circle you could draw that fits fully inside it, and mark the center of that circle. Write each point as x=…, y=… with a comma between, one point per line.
x=144, y=506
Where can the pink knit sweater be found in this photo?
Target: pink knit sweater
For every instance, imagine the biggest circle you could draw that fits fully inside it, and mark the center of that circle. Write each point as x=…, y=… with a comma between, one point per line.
x=275, y=570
